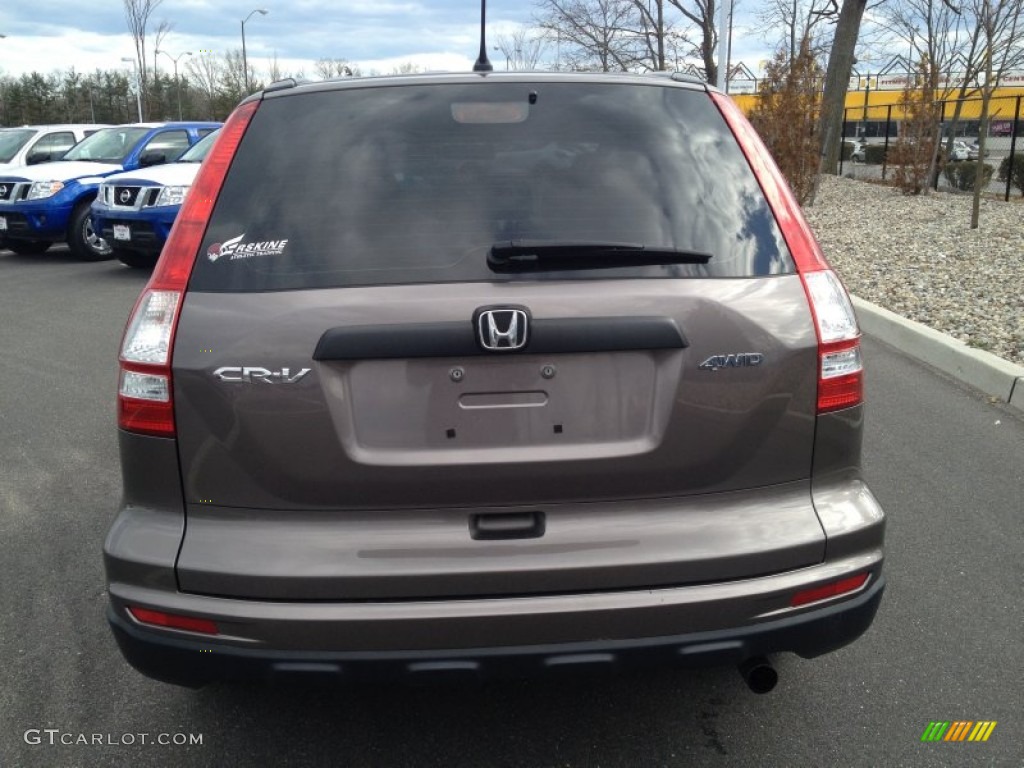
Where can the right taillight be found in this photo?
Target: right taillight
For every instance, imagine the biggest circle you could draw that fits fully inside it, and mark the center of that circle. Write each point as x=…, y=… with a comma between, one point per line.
x=840, y=371
x=840, y=368
x=145, y=396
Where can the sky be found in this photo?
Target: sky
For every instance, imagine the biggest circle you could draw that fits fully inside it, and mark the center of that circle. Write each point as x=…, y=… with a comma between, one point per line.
x=376, y=35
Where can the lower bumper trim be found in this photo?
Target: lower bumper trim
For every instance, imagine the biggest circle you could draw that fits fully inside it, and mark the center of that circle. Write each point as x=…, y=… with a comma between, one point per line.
x=194, y=663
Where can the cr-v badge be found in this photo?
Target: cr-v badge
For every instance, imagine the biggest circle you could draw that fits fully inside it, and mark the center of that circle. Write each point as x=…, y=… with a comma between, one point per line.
x=738, y=360
x=250, y=374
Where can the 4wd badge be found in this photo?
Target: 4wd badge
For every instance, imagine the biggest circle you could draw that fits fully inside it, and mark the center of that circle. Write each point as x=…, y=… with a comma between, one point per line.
x=736, y=360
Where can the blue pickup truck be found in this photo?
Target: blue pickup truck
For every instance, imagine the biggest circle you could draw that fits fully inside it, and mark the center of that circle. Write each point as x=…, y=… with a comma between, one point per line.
x=50, y=202
x=135, y=210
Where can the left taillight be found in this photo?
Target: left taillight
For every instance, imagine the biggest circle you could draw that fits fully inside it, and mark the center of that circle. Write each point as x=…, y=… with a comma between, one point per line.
x=145, y=394
x=144, y=391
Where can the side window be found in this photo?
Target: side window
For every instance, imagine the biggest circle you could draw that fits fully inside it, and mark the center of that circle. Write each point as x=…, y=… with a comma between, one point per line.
x=52, y=146
x=205, y=132
x=170, y=144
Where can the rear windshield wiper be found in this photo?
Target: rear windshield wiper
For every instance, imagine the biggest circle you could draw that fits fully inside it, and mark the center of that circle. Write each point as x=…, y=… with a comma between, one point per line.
x=547, y=255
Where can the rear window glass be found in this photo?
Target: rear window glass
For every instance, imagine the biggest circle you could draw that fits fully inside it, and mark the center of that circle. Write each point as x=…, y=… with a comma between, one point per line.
x=416, y=184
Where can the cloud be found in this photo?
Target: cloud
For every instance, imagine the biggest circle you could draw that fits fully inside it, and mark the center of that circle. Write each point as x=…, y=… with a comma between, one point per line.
x=365, y=31
x=376, y=35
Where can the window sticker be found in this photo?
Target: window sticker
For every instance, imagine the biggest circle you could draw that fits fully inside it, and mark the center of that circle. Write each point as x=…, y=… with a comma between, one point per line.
x=236, y=248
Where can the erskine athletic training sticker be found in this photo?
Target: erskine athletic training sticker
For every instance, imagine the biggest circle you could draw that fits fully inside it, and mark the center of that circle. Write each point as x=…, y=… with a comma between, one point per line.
x=235, y=249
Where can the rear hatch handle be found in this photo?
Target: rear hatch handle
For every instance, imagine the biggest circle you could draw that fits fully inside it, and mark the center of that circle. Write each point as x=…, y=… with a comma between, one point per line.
x=507, y=525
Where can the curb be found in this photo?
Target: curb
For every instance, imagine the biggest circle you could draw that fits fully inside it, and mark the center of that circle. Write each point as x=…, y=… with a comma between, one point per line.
x=974, y=367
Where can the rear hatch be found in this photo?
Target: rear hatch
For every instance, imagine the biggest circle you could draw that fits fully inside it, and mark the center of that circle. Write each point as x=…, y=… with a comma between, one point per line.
x=469, y=338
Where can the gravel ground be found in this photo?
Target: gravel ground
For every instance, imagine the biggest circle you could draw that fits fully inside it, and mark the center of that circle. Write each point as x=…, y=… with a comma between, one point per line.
x=918, y=257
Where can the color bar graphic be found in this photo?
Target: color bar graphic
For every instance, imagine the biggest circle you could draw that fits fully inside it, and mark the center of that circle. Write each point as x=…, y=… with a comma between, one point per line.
x=958, y=730
x=982, y=730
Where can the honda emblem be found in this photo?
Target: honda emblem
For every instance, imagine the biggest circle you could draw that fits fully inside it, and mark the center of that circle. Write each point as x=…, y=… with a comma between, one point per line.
x=502, y=329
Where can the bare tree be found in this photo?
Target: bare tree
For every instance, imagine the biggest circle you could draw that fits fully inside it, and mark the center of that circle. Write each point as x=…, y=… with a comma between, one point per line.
x=701, y=14
x=1000, y=22
x=162, y=30
x=654, y=31
x=521, y=48
x=155, y=95
x=932, y=28
x=204, y=73
x=328, y=68
x=938, y=33
x=235, y=83
x=592, y=34
x=275, y=73
x=803, y=22
x=136, y=14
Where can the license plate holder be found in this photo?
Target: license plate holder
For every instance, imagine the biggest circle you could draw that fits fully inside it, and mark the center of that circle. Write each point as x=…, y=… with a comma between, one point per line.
x=122, y=232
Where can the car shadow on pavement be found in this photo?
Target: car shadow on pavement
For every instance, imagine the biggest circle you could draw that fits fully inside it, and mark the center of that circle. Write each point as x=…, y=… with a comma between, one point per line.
x=63, y=256
x=575, y=720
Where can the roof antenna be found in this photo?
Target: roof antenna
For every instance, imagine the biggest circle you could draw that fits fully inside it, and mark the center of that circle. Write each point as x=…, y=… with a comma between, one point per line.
x=482, y=64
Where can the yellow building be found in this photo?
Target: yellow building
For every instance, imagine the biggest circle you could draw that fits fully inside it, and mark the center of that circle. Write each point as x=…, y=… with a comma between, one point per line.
x=882, y=101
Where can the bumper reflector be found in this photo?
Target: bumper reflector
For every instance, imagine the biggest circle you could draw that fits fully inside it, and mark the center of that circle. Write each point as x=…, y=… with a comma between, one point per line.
x=173, y=621
x=841, y=587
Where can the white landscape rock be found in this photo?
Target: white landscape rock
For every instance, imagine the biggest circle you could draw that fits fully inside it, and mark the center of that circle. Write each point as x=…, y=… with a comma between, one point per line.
x=918, y=257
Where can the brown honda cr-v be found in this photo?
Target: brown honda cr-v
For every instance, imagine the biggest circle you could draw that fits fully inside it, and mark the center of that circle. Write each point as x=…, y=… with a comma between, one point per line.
x=466, y=375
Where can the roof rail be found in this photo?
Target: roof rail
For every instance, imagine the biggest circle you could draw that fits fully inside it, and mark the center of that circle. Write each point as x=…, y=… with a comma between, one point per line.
x=281, y=85
x=679, y=77
x=683, y=77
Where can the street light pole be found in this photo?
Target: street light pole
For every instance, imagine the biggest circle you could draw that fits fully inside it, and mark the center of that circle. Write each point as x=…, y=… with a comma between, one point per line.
x=177, y=82
x=724, y=44
x=245, y=59
x=138, y=84
x=867, y=98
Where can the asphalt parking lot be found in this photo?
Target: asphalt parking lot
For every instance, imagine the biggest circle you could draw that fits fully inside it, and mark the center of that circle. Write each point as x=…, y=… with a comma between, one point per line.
x=946, y=464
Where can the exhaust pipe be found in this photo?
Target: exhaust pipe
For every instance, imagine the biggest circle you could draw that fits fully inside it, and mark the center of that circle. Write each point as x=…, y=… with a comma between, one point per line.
x=759, y=674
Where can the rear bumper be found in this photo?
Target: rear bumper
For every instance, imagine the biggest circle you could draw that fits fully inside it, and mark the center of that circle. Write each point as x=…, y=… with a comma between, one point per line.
x=193, y=660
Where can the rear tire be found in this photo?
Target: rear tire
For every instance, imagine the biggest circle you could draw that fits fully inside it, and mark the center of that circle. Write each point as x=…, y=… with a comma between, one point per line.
x=82, y=240
x=135, y=259
x=27, y=247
